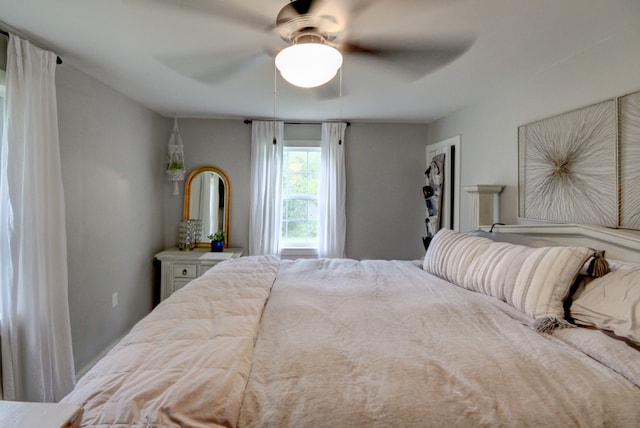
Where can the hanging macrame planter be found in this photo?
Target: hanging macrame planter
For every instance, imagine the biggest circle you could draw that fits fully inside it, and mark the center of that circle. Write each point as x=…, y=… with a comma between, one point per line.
x=175, y=158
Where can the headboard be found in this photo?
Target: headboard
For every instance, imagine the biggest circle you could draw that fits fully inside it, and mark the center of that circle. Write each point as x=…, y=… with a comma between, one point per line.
x=619, y=244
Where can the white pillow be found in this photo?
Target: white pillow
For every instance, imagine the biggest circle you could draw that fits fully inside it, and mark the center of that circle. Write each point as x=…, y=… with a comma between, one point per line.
x=534, y=280
x=611, y=302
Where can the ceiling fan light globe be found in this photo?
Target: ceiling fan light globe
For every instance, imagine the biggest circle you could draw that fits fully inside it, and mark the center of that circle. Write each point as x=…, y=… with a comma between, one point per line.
x=308, y=65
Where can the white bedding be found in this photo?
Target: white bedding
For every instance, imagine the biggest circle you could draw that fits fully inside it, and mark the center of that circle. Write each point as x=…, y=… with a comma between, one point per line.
x=347, y=343
x=390, y=345
x=187, y=363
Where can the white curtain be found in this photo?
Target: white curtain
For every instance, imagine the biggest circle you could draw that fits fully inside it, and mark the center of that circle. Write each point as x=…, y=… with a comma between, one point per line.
x=265, y=217
x=333, y=219
x=37, y=359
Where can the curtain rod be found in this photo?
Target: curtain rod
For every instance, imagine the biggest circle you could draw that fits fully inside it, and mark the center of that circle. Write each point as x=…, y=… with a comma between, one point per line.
x=58, y=59
x=248, y=121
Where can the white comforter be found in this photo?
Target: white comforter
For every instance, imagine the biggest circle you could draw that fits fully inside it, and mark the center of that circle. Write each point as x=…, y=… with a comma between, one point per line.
x=187, y=363
x=346, y=343
x=379, y=344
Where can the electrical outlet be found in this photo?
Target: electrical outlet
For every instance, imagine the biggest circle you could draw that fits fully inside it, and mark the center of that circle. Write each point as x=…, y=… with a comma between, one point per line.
x=114, y=299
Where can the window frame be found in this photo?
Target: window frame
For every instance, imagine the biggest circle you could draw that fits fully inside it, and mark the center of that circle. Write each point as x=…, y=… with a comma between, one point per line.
x=308, y=248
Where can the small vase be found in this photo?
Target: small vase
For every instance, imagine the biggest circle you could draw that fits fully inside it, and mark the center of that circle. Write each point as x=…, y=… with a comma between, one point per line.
x=217, y=246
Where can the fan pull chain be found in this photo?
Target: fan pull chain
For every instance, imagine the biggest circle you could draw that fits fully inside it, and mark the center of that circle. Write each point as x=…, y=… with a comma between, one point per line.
x=275, y=91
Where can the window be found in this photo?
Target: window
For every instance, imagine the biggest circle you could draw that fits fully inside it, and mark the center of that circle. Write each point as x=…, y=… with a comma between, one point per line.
x=300, y=183
x=298, y=210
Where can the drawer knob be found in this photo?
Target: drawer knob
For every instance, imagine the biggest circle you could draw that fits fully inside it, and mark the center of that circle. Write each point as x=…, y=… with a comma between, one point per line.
x=184, y=271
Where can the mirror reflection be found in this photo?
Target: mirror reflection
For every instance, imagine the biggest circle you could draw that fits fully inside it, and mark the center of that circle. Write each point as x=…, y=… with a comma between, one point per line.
x=206, y=197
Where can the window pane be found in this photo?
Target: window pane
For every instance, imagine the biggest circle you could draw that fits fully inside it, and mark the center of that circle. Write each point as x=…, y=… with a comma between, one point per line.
x=314, y=162
x=297, y=161
x=313, y=230
x=297, y=230
x=300, y=184
x=312, y=213
x=296, y=209
x=296, y=184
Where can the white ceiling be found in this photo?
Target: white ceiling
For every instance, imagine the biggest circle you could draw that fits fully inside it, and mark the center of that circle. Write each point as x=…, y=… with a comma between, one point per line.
x=169, y=54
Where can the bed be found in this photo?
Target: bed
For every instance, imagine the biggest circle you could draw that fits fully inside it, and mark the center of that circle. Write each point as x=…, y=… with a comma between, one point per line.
x=479, y=333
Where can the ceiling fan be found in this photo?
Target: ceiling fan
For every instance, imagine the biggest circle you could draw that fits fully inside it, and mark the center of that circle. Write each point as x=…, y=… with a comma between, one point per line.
x=312, y=28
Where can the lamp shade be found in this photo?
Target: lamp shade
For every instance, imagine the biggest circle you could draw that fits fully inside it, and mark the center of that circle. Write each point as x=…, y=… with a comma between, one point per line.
x=309, y=64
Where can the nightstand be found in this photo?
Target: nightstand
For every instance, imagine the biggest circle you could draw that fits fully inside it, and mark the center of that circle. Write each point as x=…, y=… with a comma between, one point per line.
x=180, y=267
x=42, y=415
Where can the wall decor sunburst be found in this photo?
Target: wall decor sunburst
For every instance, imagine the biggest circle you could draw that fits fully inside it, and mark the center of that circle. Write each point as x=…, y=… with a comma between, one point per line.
x=629, y=158
x=568, y=167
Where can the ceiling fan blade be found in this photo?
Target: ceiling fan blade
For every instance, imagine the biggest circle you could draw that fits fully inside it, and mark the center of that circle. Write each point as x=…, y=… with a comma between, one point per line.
x=207, y=68
x=219, y=9
x=359, y=6
x=415, y=59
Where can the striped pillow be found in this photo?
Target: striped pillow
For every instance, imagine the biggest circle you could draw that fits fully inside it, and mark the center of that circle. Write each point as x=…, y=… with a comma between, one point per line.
x=534, y=280
x=450, y=254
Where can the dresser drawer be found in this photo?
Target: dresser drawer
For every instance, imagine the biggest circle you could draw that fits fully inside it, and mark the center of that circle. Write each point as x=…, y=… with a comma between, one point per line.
x=183, y=270
x=203, y=267
x=179, y=283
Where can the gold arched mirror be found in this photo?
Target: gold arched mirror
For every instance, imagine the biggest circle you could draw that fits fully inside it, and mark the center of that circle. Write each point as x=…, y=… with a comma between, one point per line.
x=206, y=197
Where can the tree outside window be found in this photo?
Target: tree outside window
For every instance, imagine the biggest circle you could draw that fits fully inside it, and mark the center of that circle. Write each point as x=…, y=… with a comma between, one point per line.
x=300, y=181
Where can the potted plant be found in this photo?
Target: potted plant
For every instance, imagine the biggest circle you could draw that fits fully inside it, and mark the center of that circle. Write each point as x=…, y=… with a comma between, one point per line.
x=217, y=241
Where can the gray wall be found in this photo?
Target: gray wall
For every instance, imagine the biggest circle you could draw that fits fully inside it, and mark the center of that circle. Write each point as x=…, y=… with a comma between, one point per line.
x=385, y=207
x=385, y=173
x=489, y=129
x=113, y=153
x=225, y=144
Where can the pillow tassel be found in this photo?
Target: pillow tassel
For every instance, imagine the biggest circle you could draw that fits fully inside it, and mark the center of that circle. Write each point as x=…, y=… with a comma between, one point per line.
x=599, y=266
x=549, y=324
